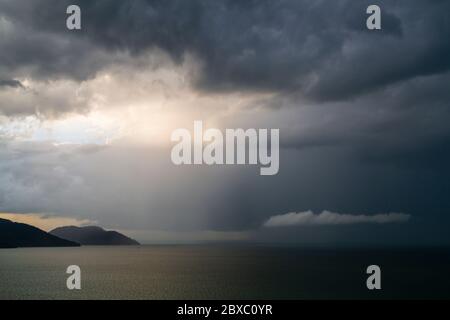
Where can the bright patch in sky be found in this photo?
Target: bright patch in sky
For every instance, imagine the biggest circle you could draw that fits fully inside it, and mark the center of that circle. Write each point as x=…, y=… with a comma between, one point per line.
x=91, y=129
x=76, y=129
x=44, y=222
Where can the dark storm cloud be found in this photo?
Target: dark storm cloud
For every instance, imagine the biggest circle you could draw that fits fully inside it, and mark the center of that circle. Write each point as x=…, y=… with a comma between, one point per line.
x=415, y=108
x=340, y=91
x=11, y=83
x=319, y=48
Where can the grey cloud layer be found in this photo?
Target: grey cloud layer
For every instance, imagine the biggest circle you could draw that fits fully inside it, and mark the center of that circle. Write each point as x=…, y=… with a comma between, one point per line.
x=11, y=83
x=363, y=115
x=319, y=48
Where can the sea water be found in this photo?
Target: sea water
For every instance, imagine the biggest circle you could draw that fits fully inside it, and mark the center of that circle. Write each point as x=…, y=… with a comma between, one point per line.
x=223, y=272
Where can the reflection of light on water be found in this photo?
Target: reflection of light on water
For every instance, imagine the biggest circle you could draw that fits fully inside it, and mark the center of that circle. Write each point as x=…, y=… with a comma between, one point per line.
x=218, y=272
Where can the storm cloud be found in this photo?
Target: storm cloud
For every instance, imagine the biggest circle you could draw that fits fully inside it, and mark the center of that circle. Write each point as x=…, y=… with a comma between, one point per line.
x=11, y=83
x=86, y=116
x=321, y=49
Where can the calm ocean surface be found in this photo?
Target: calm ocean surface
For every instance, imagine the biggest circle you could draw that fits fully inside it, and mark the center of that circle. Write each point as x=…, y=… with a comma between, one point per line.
x=222, y=272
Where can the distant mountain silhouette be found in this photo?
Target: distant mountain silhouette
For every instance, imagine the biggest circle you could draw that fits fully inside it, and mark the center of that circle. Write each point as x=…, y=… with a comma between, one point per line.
x=15, y=235
x=93, y=236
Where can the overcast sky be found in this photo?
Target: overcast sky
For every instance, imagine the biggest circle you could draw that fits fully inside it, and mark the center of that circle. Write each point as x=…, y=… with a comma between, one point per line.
x=86, y=117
